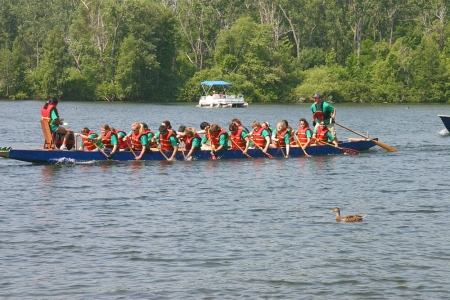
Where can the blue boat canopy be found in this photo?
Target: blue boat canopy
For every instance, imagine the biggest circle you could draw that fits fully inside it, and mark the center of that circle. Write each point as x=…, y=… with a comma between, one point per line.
x=216, y=82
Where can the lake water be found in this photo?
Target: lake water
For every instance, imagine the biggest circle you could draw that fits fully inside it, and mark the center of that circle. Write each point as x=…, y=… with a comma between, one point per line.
x=254, y=229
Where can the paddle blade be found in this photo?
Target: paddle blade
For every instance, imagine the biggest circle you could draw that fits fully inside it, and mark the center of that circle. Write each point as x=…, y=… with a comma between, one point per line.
x=384, y=146
x=350, y=151
x=213, y=156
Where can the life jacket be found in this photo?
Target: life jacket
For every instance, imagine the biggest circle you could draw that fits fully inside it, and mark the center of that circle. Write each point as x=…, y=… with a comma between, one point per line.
x=87, y=144
x=280, y=136
x=188, y=141
x=46, y=112
x=319, y=114
x=301, y=135
x=237, y=142
x=150, y=143
x=122, y=144
x=136, y=141
x=215, y=138
x=259, y=140
x=165, y=141
x=106, y=139
x=321, y=134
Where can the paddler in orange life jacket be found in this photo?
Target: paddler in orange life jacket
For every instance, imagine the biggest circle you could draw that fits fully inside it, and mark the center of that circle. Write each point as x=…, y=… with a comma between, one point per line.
x=89, y=140
x=50, y=114
x=260, y=136
x=291, y=132
x=304, y=133
x=109, y=139
x=139, y=140
x=120, y=136
x=282, y=137
x=192, y=141
x=323, y=111
x=217, y=137
x=322, y=135
x=238, y=137
x=168, y=141
x=150, y=135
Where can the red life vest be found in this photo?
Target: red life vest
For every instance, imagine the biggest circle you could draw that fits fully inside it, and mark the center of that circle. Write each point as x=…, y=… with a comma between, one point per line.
x=321, y=134
x=46, y=112
x=106, y=139
x=136, y=141
x=301, y=135
x=87, y=144
x=165, y=141
x=215, y=137
x=237, y=142
x=188, y=141
x=259, y=140
x=122, y=144
x=280, y=136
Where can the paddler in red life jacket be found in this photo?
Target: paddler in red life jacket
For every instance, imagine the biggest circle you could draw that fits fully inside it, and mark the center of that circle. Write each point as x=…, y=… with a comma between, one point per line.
x=322, y=135
x=282, y=137
x=304, y=133
x=260, y=136
x=89, y=141
x=109, y=139
x=120, y=136
x=217, y=137
x=168, y=141
x=323, y=111
x=192, y=141
x=238, y=137
x=139, y=140
x=291, y=132
x=169, y=126
x=50, y=114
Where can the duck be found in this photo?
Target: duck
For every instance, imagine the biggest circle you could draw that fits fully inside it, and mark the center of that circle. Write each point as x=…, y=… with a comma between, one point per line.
x=354, y=218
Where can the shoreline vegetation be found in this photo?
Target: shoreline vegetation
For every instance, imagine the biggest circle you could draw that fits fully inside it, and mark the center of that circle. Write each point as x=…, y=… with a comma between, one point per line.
x=272, y=52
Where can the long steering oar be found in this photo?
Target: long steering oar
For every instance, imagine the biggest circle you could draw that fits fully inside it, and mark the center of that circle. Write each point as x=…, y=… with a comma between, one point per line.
x=241, y=149
x=382, y=145
x=266, y=153
x=345, y=150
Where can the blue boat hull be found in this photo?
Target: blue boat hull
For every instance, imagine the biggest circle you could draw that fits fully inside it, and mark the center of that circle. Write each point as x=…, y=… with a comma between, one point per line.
x=58, y=156
x=446, y=121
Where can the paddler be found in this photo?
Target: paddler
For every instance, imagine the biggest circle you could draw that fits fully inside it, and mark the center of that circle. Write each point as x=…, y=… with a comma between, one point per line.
x=217, y=136
x=238, y=137
x=50, y=113
x=323, y=111
x=282, y=137
x=304, y=133
x=90, y=140
x=260, y=136
x=139, y=140
x=109, y=139
x=322, y=135
x=168, y=141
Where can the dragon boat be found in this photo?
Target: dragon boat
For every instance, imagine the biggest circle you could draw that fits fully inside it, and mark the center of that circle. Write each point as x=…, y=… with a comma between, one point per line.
x=52, y=156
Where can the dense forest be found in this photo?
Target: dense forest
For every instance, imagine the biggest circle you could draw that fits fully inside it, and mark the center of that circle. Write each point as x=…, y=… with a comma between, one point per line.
x=271, y=50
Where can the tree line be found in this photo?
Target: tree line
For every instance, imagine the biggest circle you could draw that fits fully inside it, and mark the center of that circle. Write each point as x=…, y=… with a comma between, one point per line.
x=271, y=50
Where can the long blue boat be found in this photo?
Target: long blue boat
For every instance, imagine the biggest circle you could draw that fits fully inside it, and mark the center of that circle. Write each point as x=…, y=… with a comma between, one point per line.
x=52, y=156
x=446, y=120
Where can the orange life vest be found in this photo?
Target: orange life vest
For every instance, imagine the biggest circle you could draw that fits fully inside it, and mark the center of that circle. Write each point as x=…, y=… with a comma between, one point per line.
x=215, y=137
x=321, y=134
x=188, y=141
x=87, y=144
x=136, y=141
x=165, y=141
x=106, y=139
x=46, y=112
x=237, y=142
x=280, y=136
x=301, y=135
x=259, y=140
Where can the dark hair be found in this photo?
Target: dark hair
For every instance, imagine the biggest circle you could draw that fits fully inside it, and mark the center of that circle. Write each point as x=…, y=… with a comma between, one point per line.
x=163, y=129
x=182, y=128
x=144, y=125
x=285, y=122
x=233, y=127
x=304, y=121
x=236, y=120
x=167, y=124
x=215, y=128
x=203, y=125
x=51, y=100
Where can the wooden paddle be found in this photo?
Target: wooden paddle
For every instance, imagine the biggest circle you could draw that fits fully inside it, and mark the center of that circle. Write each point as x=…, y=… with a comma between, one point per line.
x=382, y=145
x=281, y=148
x=345, y=150
x=165, y=156
x=101, y=150
x=300, y=145
x=213, y=156
x=241, y=149
x=131, y=149
x=266, y=153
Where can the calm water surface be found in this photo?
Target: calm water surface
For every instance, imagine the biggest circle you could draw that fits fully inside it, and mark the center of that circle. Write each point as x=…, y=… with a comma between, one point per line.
x=254, y=229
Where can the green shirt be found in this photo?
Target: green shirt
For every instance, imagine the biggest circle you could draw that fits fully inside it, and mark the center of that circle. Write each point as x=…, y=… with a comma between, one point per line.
x=223, y=140
x=173, y=140
x=327, y=109
x=53, y=117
